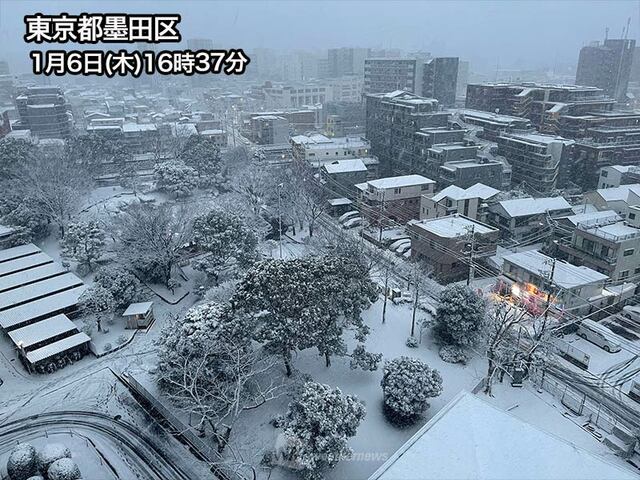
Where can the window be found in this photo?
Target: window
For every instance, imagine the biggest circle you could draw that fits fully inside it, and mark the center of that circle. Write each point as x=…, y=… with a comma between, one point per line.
x=424, y=187
x=604, y=173
x=636, y=271
x=632, y=216
x=397, y=190
x=623, y=274
x=628, y=252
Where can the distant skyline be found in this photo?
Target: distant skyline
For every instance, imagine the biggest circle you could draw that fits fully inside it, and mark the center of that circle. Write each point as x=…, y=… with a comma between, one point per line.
x=513, y=35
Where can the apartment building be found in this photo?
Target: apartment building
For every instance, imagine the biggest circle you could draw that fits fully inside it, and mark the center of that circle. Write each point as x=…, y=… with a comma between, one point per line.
x=44, y=111
x=341, y=176
x=392, y=119
x=319, y=149
x=444, y=243
x=607, y=245
x=440, y=79
x=269, y=130
x=492, y=124
x=465, y=173
x=394, y=198
x=536, y=160
x=618, y=199
x=543, y=105
x=346, y=61
x=607, y=65
x=389, y=74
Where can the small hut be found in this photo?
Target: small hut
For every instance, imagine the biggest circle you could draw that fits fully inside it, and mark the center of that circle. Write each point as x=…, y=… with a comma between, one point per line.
x=139, y=315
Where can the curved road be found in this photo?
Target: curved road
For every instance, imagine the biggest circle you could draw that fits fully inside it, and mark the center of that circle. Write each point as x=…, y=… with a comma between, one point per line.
x=142, y=450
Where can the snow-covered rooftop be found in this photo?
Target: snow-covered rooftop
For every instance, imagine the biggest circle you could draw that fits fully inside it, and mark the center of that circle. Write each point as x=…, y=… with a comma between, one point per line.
x=23, y=263
x=522, y=207
x=32, y=275
x=565, y=274
x=41, y=331
x=138, y=127
x=36, y=290
x=479, y=190
x=345, y=166
x=594, y=217
x=400, y=181
x=137, y=309
x=57, y=347
x=336, y=202
x=614, y=231
x=19, y=251
x=452, y=226
x=620, y=193
x=470, y=439
x=17, y=316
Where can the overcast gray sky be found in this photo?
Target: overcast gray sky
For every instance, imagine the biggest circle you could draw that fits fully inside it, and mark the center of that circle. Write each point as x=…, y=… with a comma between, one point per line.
x=522, y=34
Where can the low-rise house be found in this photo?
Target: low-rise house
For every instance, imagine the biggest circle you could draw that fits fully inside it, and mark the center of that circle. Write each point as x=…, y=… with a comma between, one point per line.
x=470, y=202
x=538, y=279
x=616, y=175
x=445, y=242
x=341, y=176
x=465, y=173
x=615, y=198
x=394, y=198
x=607, y=245
x=319, y=149
x=521, y=217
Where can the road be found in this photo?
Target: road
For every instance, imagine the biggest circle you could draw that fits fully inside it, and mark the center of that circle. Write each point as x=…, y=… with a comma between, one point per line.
x=148, y=456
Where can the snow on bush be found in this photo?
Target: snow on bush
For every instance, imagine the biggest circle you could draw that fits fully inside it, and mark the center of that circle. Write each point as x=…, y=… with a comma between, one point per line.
x=63, y=469
x=36, y=477
x=364, y=360
x=407, y=384
x=50, y=453
x=460, y=316
x=22, y=462
x=453, y=354
x=317, y=427
x=412, y=342
x=176, y=178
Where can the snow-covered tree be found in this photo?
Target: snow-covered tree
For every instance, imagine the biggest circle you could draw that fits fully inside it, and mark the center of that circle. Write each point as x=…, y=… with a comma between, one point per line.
x=19, y=211
x=123, y=286
x=364, y=360
x=318, y=425
x=407, y=385
x=150, y=239
x=176, y=178
x=304, y=303
x=23, y=462
x=203, y=155
x=84, y=242
x=15, y=154
x=63, y=469
x=50, y=453
x=208, y=367
x=98, y=301
x=460, y=315
x=227, y=241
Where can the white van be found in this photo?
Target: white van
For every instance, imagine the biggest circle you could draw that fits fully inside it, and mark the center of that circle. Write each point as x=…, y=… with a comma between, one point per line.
x=598, y=335
x=348, y=216
x=352, y=223
x=395, y=245
x=631, y=312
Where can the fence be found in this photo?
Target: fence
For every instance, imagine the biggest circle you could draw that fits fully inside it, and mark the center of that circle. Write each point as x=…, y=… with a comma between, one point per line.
x=580, y=403
x=186, y=432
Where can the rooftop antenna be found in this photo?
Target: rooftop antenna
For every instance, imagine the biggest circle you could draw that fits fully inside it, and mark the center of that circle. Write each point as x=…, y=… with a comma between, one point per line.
x=606, y=34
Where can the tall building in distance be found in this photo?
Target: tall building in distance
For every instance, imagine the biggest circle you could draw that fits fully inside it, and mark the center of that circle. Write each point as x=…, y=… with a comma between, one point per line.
x=45, y=111
x=607, y=66
x=346, y=61
x=383, y=75
x=439, y=80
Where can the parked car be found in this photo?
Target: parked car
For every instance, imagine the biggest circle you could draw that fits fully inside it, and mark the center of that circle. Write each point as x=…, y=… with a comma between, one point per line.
x=597, y=334
x=348, y=216
x=631, y=312
x=402, y=249
x=395, y=238
x=354, y=222
x=395, y=245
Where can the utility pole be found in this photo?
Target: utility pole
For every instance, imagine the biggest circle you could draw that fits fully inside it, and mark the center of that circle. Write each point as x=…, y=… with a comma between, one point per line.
x=546, y=310
x=279, y=188
x=381, y=214
x=473, y=247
